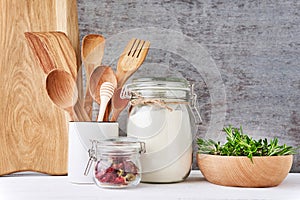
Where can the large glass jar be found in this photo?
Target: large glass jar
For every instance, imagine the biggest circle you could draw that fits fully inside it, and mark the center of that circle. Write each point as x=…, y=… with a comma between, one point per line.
x=162, y=116
x=117, y=162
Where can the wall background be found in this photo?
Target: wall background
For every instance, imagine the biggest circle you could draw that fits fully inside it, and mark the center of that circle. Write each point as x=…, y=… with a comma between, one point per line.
x=255, y=46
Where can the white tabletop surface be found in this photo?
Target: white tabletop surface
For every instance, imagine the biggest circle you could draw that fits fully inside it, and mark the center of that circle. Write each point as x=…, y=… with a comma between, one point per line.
x=36, y=186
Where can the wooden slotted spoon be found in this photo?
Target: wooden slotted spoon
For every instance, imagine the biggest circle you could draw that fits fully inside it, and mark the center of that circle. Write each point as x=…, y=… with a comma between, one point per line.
x=131, y=59
x=92, y=51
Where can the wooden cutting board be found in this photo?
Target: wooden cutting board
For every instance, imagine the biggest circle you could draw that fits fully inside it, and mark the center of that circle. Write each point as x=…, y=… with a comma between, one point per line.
x=33, y=131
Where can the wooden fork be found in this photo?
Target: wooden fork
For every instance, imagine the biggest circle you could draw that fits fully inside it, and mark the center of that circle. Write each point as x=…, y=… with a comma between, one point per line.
x=131, y=59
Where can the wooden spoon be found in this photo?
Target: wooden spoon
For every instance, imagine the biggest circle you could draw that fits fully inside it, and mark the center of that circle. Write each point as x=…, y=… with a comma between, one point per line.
x=62, y=90
x=100, y=75
x=92, y=51
x=106, y=93
x=132, y=58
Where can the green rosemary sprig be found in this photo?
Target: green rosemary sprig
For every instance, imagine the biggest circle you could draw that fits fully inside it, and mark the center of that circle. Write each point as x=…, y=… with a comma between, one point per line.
x=240, y=144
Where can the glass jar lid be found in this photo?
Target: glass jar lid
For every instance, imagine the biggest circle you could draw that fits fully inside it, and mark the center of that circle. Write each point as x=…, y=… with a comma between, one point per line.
x=158, y=88
x=120, y=146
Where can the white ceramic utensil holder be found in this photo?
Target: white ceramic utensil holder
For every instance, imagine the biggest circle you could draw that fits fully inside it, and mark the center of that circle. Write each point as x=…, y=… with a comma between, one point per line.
x=80, y=136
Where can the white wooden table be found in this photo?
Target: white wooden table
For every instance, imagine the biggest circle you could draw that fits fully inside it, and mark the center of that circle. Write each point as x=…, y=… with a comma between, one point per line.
x=39, y=187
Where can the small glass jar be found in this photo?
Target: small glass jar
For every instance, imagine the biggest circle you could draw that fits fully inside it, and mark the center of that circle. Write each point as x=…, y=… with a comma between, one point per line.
x=164, y=116
x=117, y=162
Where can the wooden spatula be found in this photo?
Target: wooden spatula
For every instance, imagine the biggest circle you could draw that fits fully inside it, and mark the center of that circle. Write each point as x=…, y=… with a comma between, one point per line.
x=53, y=50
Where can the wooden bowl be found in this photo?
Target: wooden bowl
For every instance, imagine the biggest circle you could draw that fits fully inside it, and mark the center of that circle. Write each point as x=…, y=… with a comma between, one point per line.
x=265, y=171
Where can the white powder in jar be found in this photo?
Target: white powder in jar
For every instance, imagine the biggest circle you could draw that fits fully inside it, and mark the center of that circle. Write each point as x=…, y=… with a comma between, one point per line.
x=168, y=138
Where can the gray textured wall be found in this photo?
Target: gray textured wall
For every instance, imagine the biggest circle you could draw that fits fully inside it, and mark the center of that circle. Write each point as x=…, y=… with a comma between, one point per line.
x=253, y=45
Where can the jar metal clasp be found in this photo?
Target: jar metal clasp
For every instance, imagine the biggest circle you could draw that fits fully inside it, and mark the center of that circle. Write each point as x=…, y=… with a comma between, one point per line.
x=194, y=107
x=93, y=158
x=142, y=147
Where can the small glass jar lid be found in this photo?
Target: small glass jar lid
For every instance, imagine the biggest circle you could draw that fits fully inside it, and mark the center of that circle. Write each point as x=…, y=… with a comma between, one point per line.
x=120, y=146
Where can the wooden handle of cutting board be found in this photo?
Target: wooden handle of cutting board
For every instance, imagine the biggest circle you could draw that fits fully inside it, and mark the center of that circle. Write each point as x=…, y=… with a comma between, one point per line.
x=33, y=131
